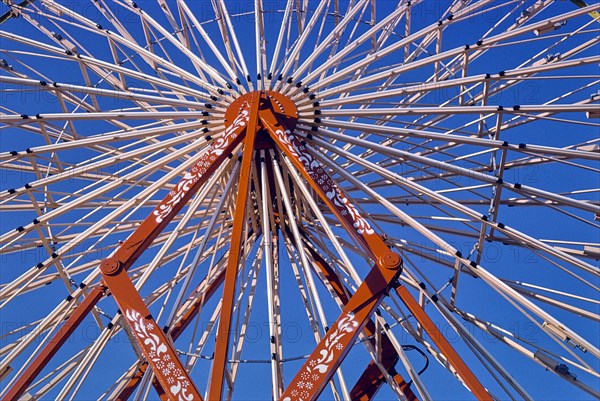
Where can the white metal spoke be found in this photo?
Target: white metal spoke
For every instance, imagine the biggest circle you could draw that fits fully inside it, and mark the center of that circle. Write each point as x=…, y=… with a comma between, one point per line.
x=465, y=132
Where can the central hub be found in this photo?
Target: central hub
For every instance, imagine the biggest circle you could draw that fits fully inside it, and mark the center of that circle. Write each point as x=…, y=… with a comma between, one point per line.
x=270, y=102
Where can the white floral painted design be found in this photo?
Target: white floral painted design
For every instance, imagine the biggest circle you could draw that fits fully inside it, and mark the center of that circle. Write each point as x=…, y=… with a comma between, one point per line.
x=331, y=189
x=321, y=362
x=192, y=176
x=156, y=350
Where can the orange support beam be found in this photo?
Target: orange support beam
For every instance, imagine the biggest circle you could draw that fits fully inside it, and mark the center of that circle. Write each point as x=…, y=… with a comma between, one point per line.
x=372, y=378
x=152, y=341
x=176, y=330
x=320, y=366
x=133, y=382
x=217, y=375
x=128, y=252
x=444, y=346
x=332, y=349
x=353, y=317
x=40, y=361
x=329, y=192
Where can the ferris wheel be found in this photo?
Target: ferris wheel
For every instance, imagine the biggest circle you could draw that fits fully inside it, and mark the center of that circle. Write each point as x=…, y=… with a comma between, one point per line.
x=293, y=200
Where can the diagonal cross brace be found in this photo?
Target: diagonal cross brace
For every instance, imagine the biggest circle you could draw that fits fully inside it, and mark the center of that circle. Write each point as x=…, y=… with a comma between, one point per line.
x=152, y=341
x=155, y=346
x=332, y=349
x=322, y=363
x=128, y=252
x=372, y=378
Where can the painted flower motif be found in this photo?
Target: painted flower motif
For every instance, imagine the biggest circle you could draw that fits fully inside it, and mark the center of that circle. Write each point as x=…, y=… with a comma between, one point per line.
x=170, y=380
x=339, y=346
x=171, y=366
x=315, y=377
x=149, y=326
x=312, y=363
x=192, y=177
x=166, y=357
x=304, y=375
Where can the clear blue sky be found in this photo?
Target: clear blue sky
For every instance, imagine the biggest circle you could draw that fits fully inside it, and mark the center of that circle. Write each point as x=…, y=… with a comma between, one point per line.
x=503, y=260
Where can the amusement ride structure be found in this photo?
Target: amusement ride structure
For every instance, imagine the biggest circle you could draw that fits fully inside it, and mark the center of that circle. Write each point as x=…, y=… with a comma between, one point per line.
x=401, y=200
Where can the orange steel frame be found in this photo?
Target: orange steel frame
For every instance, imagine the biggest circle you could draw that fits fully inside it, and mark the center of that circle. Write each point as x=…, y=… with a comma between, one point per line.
x=273, y=113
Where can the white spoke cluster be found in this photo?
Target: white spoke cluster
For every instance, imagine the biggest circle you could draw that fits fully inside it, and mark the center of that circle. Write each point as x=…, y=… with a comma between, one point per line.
x=466, y=132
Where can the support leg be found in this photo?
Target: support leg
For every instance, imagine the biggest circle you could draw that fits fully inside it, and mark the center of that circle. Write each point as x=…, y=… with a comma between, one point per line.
x=40, y=361
x=215, y=387
x=152, y=341
x=444, y=346
x=142, y=237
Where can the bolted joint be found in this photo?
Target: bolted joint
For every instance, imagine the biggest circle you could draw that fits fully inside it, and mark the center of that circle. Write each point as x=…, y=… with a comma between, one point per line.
x=110, y=266
x=390, y=260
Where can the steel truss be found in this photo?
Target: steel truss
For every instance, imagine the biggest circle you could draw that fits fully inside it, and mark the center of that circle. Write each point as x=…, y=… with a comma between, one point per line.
x=367, y=159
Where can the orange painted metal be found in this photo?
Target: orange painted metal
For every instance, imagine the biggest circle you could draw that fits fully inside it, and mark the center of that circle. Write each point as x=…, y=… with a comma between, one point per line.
x=276, y=114
x=133, y=382
x=40, y=361
x=442, y=343
x=320, y=366
x=372, y=378
x=151, y=340
x=192, y=307
x=197, y=301
x=151, y=227
x=338, y=203
x=322, y=363
x=327, y=189
x=174, y=381
x=259, y=102
x=217, y=375
x=128, y=252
